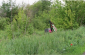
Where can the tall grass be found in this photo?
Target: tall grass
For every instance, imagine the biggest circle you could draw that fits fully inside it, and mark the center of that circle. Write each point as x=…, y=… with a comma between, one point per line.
x=56, y=43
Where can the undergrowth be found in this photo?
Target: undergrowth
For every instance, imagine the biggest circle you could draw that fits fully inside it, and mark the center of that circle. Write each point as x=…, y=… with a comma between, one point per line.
x=56, y=43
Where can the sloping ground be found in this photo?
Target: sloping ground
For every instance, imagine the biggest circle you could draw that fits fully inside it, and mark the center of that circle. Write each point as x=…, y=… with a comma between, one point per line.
x=57, y=43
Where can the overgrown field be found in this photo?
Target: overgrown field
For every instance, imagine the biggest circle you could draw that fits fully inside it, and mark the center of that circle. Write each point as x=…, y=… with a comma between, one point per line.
x=57, y=43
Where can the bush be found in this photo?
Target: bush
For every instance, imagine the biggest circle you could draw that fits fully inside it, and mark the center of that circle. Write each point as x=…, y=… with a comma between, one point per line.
x=65, y=20
x=38, y=24
x=41, y=22
x=3, y=23
x=30, y=29
x=20, y=25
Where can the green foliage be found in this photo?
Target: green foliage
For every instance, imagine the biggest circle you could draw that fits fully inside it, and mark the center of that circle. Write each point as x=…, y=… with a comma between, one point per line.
x=30, y=29
x=3, y=22
x=66, y=16
x=55, y=43
x=63, y=17
x=22, y=23
x=6, y=11
x=21, y=20
x=78, y=8
x=39, y=7
x=45, y=4
x=69, y=20
x=35, y=8
x=9, y=32
x=38, y=24
x=42, y=21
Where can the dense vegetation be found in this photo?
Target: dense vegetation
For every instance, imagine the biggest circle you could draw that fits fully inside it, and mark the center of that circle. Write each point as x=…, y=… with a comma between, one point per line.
x=57, y=43
x=22, y=27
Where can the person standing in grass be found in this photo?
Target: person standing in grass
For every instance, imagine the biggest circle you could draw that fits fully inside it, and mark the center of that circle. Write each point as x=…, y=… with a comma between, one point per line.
x=52, y=27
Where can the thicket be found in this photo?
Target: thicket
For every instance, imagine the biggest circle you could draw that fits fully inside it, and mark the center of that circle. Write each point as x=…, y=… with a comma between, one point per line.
x=3, y=23
x=20, y=25
x=20, y=22
x=26, y=19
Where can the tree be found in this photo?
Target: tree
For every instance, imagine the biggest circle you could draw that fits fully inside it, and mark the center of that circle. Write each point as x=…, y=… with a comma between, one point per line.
x=79, y=9
x=40, y=6
x=63, y=16
x=46, y=4
x=6, y=11
x=40, y=13
x=28, y=11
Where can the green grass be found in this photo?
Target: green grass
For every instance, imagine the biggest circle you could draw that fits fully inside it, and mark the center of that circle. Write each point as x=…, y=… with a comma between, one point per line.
x=56, y=43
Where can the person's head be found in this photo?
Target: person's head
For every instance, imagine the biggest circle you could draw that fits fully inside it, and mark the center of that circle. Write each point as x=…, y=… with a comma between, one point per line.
x=50, y=22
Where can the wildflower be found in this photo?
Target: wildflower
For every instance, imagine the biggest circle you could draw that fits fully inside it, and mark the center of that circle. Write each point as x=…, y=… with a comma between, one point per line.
x=71, y=44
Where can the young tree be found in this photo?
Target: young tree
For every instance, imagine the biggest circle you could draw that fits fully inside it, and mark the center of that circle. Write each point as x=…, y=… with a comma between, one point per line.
x=63, y=16
x=9, y=9
x=40, y=6
x=79, y=9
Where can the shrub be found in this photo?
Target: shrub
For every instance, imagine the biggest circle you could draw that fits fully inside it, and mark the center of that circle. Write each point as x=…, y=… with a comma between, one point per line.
x=30, y=29
x=3, y=23
x=41, y=22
